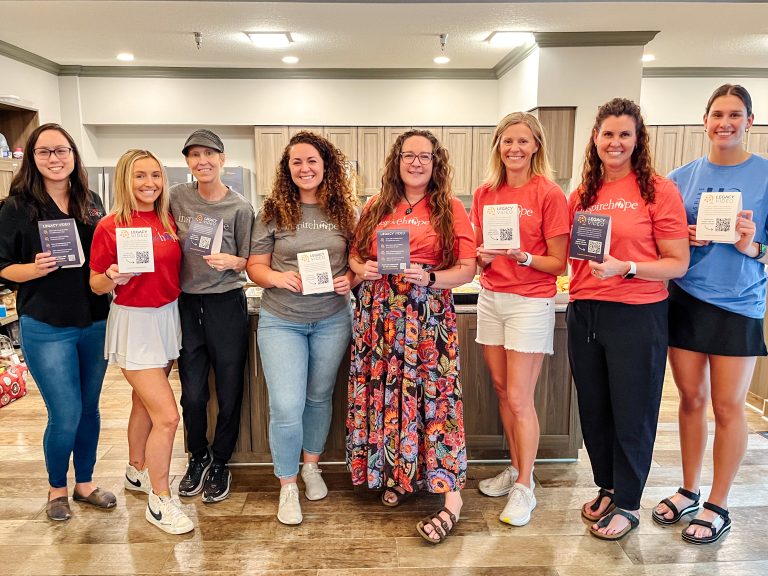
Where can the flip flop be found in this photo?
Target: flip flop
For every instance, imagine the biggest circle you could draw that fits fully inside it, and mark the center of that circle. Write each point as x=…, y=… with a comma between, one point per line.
x=719, y=526
x=399, y=498
x=595, y=506
x=605, y=520
x=676, y=514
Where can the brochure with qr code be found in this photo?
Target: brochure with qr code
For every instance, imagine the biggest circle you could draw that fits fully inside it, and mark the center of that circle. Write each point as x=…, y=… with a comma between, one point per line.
x=590, y=236
x=717, y=217
x=60, y=238
x=501, y=226
x=204, y=235
x=315, y=272
x=393, y=249
x=134, y=250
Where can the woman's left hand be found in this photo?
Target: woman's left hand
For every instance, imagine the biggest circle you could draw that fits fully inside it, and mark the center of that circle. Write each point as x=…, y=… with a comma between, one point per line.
x=746, y=229
x=222, y=261
x=517, y=255
x=417, y=275
x=608, y=268
x=341, y=285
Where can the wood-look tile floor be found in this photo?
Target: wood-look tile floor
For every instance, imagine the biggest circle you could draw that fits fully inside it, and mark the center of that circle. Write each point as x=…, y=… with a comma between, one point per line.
x=349, y=533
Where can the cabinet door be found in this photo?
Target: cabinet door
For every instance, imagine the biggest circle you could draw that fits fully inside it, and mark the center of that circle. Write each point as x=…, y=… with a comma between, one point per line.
x=458, y=141
x=669, y=149
x=370, y=159
x=436, y=130
x=270, y=142
x=293, y=130
x=652, y=140
x=390, y=135
x=695, y=144
x=757, y=140
x=559, y=127
x=8, y=169
x=482, y=138
x=344, y=138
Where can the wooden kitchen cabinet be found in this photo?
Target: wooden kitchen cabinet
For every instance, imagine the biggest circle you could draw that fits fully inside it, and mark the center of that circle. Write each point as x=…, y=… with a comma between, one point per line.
x=669, y=149
x=482, y=138
x=458, y=141
x=270, y=143
x=8, y=169
x=370, y=158
x=695, y=145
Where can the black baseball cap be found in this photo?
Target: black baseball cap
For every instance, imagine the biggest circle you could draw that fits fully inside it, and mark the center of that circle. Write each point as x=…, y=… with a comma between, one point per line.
x=203, y=138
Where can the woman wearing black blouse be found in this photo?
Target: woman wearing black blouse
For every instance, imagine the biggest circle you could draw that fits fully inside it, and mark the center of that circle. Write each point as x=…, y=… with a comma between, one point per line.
x=62, y=321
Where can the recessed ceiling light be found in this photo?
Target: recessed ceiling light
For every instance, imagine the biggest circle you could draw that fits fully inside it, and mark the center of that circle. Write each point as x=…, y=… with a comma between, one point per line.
x=125, y=57
x=441, y=60
x=510, y=39
x=270, y=39
x=648, y=58
x=290, y=60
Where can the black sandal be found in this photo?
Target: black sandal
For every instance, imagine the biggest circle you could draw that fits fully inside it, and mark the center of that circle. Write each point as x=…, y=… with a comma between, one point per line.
x=400, y=497
x=442, y=529
x=677, y=514
x=717, y=530
x=634, y=522
x=595, y=506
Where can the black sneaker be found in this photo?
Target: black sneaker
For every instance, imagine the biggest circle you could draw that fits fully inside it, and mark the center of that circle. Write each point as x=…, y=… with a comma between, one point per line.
x=217, y=483
x=193, y=480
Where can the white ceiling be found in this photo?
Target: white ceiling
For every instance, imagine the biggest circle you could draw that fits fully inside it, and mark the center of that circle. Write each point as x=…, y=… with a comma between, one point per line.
x=368, y=35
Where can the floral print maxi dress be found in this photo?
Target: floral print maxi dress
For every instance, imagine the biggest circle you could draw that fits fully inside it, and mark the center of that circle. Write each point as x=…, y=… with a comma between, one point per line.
x=405, y=423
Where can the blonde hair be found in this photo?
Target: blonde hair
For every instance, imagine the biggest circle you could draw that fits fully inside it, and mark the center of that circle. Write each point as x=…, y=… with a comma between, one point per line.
x=125, y=202
x=540, y=166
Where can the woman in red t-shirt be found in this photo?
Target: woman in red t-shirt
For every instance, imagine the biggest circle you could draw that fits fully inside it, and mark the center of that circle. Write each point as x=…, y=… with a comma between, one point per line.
x=516, y=307
x=617, y=318
x=405, y=423
x=143, y=329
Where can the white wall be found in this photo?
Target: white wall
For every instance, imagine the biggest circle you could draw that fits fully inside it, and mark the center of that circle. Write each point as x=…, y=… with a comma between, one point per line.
x=682, y=100
x=313, y=102
x=36, y=88
x=518, y=88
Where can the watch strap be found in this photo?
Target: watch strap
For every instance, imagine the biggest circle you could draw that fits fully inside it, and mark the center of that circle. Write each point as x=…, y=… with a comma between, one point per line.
x=432, y=279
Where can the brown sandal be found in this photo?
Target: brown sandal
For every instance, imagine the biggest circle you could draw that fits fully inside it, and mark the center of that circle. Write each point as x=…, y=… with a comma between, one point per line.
x=399, y=497
x=441, y=528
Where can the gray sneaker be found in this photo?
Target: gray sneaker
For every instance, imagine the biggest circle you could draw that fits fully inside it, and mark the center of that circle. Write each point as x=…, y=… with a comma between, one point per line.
x=501, y=484
x=519, y=506
x=315, y=488
x=289, y=509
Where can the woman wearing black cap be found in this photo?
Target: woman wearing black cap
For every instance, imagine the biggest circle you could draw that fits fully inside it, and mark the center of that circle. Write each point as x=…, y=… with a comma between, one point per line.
x=214, y=318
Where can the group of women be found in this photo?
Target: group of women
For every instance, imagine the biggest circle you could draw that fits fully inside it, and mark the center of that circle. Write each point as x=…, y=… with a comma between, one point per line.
x=658, y=291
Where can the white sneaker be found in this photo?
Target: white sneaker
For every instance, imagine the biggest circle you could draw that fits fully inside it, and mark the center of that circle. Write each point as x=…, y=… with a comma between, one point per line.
x=137, y=480
x=165, y=513
x=501, y=484
x=519, y=506
x=289, y=509
x=315, y=488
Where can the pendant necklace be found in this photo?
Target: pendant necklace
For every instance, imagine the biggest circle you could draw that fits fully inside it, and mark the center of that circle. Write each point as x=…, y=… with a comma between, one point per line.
x=412, y=206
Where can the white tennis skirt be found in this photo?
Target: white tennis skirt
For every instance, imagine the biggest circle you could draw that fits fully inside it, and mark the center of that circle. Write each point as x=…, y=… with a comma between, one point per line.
x=142, y=338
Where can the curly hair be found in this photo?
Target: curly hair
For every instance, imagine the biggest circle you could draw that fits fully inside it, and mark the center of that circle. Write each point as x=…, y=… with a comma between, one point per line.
x=592, y=174
x=29, y=185
x=439, y=193
x=540, y=166
x=335, y=193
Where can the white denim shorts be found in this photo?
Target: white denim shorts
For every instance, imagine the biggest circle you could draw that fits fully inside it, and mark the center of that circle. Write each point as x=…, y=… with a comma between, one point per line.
x=142, y=338
x=516, y=322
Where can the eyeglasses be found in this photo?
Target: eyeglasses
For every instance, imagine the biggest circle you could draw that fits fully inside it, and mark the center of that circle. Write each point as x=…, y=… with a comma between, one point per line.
x=62, y=153
x=410, y=157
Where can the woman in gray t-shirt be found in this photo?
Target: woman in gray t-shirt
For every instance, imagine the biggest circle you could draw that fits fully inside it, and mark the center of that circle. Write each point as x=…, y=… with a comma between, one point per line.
x=304, y=328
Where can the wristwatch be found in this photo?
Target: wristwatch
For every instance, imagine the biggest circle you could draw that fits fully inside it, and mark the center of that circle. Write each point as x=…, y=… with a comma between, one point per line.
x=432, y=279
x=632, y=271
x=761, y=251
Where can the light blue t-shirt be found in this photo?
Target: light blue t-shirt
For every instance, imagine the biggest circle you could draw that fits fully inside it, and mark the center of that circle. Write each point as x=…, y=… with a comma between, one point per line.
x=719, y=274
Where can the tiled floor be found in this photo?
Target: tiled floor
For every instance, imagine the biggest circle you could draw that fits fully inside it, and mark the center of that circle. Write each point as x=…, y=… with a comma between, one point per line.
x=350, y=533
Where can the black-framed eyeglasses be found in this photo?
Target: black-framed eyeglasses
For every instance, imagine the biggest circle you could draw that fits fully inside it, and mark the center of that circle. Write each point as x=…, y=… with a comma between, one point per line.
x=410, y=157
x=62, y=152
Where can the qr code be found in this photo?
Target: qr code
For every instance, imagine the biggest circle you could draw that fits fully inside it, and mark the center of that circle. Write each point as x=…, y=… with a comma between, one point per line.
x=205, y=242
x=322, y=277
x=506, y=234
x=594, y=247
x=142, y=257
x=722, y=224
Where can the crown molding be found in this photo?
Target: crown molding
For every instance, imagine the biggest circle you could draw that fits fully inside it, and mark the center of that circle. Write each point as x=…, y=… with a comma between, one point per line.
x=26, y=57
x=660, y=72
x=513, y=59
x=579, y=39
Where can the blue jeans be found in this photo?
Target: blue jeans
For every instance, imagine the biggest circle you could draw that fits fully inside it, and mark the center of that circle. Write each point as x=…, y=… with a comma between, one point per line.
x=68, y=366
x=300, y=362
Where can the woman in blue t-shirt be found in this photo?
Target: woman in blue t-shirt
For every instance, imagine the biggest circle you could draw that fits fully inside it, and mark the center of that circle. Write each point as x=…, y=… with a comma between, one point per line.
x=716, y=315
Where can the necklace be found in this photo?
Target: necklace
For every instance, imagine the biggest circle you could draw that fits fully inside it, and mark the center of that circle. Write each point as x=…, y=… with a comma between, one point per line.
x=412, y=206
x=151, y=226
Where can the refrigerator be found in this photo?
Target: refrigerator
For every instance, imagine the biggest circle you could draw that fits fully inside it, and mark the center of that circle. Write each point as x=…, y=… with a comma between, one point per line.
x=100, y=180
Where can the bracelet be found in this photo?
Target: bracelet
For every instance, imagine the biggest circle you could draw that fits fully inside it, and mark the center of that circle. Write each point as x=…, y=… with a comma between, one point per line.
x=528, y=259
x=762, y=249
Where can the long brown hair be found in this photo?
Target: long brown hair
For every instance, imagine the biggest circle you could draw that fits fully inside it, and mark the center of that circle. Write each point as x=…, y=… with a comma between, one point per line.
x=642, y=165
x=393, y=191
x=335, y=193
x=29, y=185
x=540, y=166
x=125, y=201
